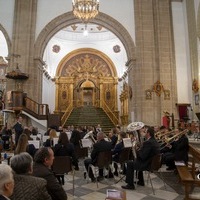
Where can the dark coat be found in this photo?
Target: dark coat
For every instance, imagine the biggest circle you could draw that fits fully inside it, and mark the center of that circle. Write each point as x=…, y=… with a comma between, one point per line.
x=2, y=197
x=149, y=149
x=75, y=137
x=181, y=148
x=117, y=150
x=28, y=187
x=18, y=131
x=53, y=187
x=100, y=146
x=67, y=150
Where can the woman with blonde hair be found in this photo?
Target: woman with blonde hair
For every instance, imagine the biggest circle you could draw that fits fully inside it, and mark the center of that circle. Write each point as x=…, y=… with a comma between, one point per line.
x=49, y=141
x=23, y=146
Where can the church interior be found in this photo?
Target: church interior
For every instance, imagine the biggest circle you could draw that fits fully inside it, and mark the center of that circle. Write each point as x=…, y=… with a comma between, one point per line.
x=113, y=63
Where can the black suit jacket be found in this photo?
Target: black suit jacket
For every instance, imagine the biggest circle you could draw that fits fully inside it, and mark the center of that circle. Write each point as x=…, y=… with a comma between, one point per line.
x=18, y=131
x=149, y=149
x=53, y=187
x=2, y=197
x=100, y=146
x=117, y=150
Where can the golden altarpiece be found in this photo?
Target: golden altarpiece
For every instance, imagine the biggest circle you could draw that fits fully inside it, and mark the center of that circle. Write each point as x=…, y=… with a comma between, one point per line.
x=86, y=77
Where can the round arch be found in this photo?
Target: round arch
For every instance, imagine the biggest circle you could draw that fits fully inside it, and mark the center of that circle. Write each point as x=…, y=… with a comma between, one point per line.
x=6, y=37
x=68, y=19
x=87, y=51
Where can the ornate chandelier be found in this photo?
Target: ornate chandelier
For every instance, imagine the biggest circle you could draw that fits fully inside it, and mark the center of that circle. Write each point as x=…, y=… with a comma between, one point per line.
x=85, y=9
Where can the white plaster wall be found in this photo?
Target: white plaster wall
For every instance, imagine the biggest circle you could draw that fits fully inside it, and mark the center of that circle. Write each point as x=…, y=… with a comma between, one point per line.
x=123, y=11
x=48, y=93
x=66, y=46
x=7, y=15
x=181, y=53
x=3, y=46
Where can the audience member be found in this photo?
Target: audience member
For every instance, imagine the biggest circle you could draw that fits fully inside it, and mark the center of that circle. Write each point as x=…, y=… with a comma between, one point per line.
x=65, y=148
x=6, y=182
x=49, y=141
x=24, y=146
x=27, y=186
x=43, y=161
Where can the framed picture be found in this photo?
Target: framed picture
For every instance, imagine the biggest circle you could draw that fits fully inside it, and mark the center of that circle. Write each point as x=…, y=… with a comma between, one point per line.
x=166, y=94
x=196, y=98
x=148, y=94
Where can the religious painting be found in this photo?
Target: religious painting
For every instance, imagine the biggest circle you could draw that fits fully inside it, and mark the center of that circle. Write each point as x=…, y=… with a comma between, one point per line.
x=196, y=98
x=148, y=94
x=166, y=94
x=158, y=88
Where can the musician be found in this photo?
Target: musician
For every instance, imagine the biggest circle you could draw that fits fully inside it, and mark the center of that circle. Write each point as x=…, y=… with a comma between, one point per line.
x=117, y=150
x=113, y=135
x=145, y=154
x=179, y=151
x=100, y=146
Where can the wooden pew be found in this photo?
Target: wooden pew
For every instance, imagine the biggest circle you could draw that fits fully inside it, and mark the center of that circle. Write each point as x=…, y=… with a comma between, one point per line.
x=188, y=175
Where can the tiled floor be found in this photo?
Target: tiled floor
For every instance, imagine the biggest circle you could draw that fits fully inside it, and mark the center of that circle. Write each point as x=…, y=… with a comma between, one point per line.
x=86, y=190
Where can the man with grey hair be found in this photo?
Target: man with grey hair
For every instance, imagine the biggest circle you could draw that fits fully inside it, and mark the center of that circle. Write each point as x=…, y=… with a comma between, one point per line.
x=27, y=187
x=100, y=146
x=6, y=182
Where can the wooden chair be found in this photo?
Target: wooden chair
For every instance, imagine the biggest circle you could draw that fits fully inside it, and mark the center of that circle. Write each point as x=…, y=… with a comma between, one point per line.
x=104, y=160
x=123, y=158
x=63, y=165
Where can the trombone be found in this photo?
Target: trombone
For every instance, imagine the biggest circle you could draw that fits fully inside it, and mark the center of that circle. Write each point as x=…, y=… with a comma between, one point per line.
x=169, y=140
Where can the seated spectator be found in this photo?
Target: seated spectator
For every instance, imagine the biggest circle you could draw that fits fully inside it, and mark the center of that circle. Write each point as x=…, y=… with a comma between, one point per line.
x=26, y=185
x=24, y=146
x=6, y=182
x=49, y=141
x=43, y=161
x=28, y=133
x=65, y=148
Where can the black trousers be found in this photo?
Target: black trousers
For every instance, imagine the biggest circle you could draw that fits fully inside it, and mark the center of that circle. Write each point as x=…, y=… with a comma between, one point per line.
x=131, y=167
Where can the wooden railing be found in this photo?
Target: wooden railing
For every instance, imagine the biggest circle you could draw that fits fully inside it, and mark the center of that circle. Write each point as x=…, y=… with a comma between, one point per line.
x=66, y=114
x=110, y=113
x=39, y=111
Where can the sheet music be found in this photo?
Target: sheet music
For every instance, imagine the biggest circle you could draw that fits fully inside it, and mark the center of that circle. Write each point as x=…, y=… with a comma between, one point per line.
x=36, y=143
x=86, y=143
x=127, y=142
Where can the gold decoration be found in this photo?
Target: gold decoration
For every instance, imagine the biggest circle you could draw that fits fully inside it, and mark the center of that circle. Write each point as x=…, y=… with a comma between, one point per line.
x=158, y=88
x=148, y=94
x=85, y=9
x=166, y=94
x=195, y=86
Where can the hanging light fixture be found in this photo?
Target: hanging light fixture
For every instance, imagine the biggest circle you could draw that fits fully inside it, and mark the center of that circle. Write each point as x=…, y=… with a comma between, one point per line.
x=85, y=9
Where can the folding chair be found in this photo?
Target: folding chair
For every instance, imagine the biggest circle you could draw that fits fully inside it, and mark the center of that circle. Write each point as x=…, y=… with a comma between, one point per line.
x=62, y=165
x=123, y=158
x=155, y=167
x=104, y=160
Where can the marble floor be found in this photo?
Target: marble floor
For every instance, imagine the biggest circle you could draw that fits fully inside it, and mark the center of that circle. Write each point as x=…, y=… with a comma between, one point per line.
x=86, y=190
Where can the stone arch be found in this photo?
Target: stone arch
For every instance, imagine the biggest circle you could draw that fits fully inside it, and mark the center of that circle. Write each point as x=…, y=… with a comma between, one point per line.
x=86, y=51
x=7, y=37
x=68, y=19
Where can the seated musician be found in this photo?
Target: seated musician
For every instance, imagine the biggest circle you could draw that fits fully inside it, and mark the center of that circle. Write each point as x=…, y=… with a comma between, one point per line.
x=100, y=146
x=179, y=152
x=113, y=135
x=145, y=154
x=117, y=150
